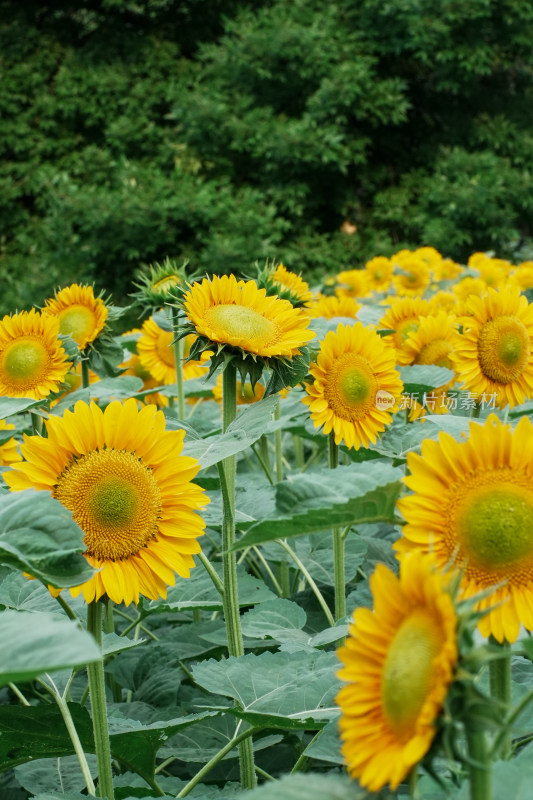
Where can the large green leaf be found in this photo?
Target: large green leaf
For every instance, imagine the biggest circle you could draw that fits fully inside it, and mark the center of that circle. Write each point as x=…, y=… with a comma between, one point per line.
x=200, y=592
x=278, y=619
x=246, y=429
x=327, y=746
x=276, y=689
x=39, y=642
x=322, y=499
x=9, y=406
x=39, y=536
x=34, y=732
x=421, y=378
x=44, y=774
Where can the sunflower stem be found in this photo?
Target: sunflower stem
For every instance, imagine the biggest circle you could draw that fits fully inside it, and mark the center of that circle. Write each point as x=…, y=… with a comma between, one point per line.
x=305, y=572
x=476, y=410
x=95, y=673
x=479, y=766
x=338, y=543
x=178, y=361
x=278, y=443
x=500, y=689
x=414, y=794
x=298, y=448
x=230, y=598
x=109, y=627
x=85, y=382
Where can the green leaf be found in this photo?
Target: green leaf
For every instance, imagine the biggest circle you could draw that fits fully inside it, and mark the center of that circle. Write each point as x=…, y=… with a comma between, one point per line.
x=316, y=553
x=421, y=378
x=9, y=406
x=327, y=746
x=34, y=732
x=246, y=429
x=276, y=689
x=311, y=786
x=279, y=619
x=45, y=774
x=322, y=499
x=39, y=536
x=39, y=642
x=22, y=594
x=198, y=591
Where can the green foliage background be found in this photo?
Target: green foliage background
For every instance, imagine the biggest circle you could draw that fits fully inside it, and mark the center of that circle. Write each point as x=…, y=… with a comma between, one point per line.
x=227, y=131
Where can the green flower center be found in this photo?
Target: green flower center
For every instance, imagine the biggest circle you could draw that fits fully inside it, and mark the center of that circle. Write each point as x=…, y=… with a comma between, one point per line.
x=25, y=362
x=78, y=322
x=351, y=387
x=115, y=500
x=495, y=525
x=408, y=670
x=503, y=349
x=241, y=325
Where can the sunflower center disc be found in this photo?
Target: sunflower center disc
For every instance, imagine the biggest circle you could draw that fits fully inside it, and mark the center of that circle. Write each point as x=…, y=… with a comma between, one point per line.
x=234, y=321
x=77, y=321
x=408, y=670
x=496, y=526
x=114, y=499
x=351, y=387
x=436, y=352
x=25, y=361
x=503, y=349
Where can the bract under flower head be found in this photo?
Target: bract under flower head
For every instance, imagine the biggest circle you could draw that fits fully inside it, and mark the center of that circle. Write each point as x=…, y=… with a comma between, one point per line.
x=398, y=663
x=128, y=488
x=162, y=284
x=33, y=363
x=472, y=505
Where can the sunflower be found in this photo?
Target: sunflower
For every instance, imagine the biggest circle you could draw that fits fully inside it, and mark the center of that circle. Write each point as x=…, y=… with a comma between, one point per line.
x=522, y=275
x=446, y=270
x=292, y=282
x=411, y=273
x=379, y=271
x=331, y=306
x=398, y=662
x=9, y=453
x=432, y=341
x=156, y=354
x=128, y=488
x=33, y=362
x=81, y=315
x=353, y=283
x=469, y=286
x=493, y=355
x=403, y=317
x=473, y=506
x=160, y=284
x=355, y=386
x=133, y=366
x=442, y=301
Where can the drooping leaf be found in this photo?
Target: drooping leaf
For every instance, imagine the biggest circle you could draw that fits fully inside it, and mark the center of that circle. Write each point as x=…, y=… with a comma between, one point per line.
x=40, y=642
x=39, y=536
x=45, y=774
x=327, y=746
x=322, y=499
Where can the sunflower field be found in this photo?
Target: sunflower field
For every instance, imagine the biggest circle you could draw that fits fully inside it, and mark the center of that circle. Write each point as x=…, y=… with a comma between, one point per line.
x=276, y=542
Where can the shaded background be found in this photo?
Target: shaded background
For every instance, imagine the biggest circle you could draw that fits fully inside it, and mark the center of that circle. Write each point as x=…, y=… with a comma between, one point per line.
x=226, y=131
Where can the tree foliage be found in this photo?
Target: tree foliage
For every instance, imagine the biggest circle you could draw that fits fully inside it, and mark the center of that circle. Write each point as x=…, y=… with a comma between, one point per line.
x=227, y=131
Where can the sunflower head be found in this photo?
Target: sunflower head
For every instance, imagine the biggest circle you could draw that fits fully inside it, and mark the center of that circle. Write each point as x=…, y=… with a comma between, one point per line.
x=493, y=354
x=331, y=306
x=398, y=664
x=33, y=362
x=129, y=489
x=81, y=315
x=355, y=386
x=9, y=453
x=472, y=506
x=286, y=285
x=160, y=284
x=236, y=321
